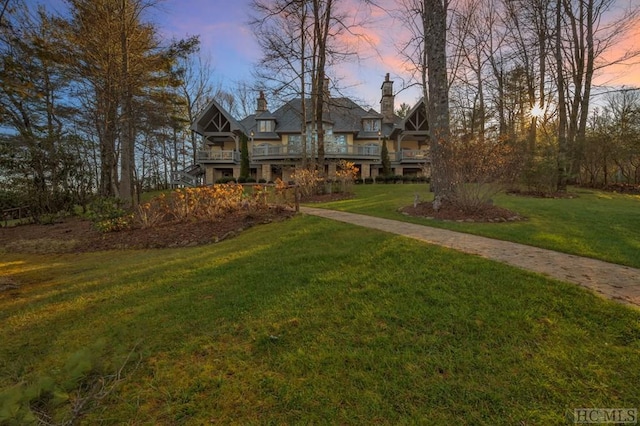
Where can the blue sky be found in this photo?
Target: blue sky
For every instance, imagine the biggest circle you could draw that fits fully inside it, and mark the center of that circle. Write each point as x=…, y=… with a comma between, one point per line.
x=229, y=43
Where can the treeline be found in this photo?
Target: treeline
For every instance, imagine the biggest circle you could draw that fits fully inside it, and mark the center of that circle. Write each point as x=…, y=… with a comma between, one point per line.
x=94, y=101
x=523, y=73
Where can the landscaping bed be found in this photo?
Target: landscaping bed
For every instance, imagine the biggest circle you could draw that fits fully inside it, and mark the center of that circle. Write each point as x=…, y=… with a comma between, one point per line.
x=76, y=235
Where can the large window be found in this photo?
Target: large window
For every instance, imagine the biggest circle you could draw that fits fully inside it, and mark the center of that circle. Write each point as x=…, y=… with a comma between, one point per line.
x=295, y=144
x=335, y=144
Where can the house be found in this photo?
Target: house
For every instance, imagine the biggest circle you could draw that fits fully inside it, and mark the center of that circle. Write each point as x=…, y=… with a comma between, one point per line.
x=278, y=141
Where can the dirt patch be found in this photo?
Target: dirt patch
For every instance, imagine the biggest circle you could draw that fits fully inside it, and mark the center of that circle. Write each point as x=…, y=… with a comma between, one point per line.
x=75, y=235
x=450, y=212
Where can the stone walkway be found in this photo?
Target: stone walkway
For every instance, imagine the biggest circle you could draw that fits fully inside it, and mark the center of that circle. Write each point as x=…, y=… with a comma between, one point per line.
x=617, y=282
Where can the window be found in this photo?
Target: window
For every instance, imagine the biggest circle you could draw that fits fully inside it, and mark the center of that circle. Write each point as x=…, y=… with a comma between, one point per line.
x=335, y=144
x=371, y=125
x=295, y=144
x=265, y=126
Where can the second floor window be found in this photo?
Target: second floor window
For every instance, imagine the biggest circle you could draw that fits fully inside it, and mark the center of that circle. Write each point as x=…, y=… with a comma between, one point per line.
x=265, y=126
x=371, y=125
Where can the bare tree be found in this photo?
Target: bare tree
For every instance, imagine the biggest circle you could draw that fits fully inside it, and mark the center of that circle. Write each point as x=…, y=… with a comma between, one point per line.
x=196, y=89
x=588, y=30
x=301, y=42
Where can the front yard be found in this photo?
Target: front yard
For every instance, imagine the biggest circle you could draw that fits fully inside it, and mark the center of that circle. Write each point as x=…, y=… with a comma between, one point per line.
x=284, y=325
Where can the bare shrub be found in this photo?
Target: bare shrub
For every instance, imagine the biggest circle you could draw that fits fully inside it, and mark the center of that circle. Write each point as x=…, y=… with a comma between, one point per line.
x=307, y=180
x=481, y=168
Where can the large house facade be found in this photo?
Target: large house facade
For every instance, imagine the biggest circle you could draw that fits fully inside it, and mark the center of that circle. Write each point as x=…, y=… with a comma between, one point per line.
x=278, y=141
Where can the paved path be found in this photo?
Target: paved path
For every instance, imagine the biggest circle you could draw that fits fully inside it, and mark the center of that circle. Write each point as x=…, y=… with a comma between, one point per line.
x=617, y=282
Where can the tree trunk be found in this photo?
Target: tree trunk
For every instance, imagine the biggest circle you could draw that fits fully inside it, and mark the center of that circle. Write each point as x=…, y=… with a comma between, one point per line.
x=127, y=159
x=562, y=104
x=435, y=18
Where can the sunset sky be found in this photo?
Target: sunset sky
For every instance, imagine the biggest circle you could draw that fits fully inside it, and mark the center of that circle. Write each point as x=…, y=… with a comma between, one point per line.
x=230, y=44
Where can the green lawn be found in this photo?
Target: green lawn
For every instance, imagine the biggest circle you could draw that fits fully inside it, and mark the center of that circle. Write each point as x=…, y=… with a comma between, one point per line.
x=596, y=224
x=283, y=325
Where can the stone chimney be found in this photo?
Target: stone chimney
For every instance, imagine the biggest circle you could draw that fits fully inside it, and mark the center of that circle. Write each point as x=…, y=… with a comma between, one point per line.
x=262, y=103
x=387, y=102
x=326, y=96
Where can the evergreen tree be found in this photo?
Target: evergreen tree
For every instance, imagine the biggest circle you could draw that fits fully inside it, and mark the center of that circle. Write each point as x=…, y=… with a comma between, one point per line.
x=244, y=158
x=386, y=162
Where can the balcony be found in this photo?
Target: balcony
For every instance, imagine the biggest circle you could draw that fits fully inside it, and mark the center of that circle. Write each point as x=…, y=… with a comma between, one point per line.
x=331, y=150
x=413, y=156
x=219, y=156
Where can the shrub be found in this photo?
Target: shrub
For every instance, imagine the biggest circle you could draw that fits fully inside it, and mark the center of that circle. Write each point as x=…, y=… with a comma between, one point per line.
x=108, y=215
x=226, y=179
x=481, y=168
x=113, y=225
x=105, y=208
x=307, y=180
x=368, y=180
x=346, y=173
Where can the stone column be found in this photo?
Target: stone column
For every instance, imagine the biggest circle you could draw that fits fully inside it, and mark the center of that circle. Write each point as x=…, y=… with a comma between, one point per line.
x=266, y=172
x=365, y=170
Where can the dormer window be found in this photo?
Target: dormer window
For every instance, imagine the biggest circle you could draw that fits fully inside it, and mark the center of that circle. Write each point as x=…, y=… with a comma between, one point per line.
x=371, y=124
x=265, y=126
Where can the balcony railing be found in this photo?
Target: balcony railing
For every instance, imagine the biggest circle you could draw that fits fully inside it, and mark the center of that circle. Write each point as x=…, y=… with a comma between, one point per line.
x=219, y=156
x=266, y=152
x=413, y=155
x=330, y=151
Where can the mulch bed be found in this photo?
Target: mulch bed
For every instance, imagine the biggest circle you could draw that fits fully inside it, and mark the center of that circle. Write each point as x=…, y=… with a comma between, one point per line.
x=79, y=235
x=453, y=213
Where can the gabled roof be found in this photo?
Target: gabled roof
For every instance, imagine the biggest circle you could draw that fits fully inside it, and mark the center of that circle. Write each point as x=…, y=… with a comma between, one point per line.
x=416, y=119
x=342, y=113
x=215, y=119
x=265, y=115
x=345, y=115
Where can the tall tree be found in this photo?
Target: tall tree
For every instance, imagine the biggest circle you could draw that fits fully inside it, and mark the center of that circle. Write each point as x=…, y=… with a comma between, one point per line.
x=34, y=107
x=562, y=105
x=437, y=93
x=121, y=68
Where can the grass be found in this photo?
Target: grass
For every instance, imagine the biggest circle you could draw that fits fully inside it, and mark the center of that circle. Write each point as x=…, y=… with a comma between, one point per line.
x=596, y=224
x=284, y=325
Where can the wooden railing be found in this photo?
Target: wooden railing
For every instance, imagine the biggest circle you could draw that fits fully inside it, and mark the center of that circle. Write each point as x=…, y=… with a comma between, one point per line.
x=17, y=213
x=417, y=155
x=183, y=178
x=331, y=150
x=222, y=156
